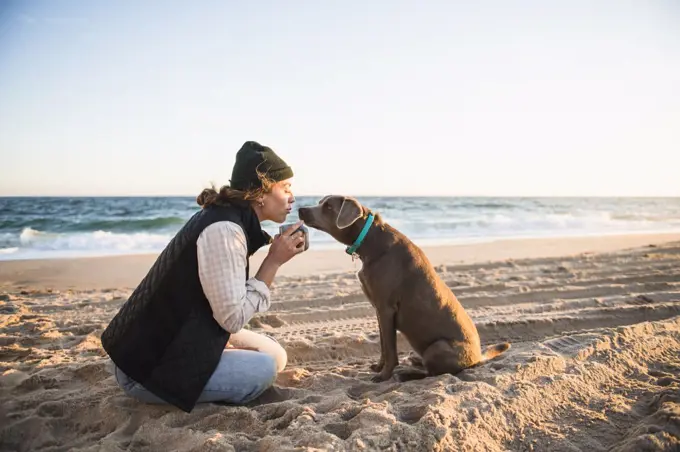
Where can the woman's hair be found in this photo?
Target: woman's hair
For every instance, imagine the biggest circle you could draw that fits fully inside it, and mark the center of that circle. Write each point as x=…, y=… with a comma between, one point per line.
x=228, y=196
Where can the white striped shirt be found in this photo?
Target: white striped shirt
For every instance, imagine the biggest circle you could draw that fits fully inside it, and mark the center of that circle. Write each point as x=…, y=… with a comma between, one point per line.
x=222, y=257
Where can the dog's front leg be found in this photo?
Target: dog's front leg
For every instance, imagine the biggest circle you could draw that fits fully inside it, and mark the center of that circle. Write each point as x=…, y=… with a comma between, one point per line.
x=381, y=362
x=388, y=341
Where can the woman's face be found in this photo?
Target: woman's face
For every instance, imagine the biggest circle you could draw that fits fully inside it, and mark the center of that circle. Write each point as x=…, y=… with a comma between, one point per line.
x=278, y=203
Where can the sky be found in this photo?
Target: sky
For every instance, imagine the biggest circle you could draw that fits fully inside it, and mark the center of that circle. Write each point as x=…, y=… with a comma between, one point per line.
x=485, y=98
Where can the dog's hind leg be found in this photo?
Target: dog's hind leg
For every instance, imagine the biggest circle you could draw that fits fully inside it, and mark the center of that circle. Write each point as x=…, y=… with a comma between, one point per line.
x=446, y=357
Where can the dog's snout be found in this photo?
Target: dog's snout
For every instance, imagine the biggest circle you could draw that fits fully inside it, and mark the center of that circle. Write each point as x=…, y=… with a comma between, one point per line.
x=303, y=213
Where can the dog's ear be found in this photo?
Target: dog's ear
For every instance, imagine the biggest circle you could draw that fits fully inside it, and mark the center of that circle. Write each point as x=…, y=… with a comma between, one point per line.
x=349, y=213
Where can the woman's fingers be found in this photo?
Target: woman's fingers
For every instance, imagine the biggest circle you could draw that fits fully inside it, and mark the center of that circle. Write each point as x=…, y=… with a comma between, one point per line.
x=293, y=242
x=293, y=228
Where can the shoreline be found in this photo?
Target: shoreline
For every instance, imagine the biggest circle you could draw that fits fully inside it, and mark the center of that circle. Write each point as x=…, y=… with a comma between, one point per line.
x=8, y=254
x=126, y=271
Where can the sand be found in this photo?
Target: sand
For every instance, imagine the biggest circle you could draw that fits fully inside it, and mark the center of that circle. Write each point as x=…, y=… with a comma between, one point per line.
x=594, y=365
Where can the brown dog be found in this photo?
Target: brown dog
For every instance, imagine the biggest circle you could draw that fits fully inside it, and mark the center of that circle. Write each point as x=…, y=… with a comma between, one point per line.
x=403, y=287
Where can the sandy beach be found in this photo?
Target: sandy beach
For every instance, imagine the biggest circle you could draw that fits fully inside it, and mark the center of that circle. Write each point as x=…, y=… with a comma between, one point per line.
x=595, y=360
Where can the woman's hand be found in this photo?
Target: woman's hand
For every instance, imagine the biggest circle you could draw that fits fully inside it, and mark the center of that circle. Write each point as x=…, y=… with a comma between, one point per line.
x=286, y=245
x=283, y=248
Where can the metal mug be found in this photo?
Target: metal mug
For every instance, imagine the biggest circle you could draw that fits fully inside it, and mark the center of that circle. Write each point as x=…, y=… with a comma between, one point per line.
x=302, y=228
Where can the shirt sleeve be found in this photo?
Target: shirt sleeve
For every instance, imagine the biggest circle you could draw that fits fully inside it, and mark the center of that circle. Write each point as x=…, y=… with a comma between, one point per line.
x=222, y=259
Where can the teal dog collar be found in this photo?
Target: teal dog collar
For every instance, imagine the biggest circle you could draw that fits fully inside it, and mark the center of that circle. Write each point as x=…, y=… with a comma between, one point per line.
x=357, y=243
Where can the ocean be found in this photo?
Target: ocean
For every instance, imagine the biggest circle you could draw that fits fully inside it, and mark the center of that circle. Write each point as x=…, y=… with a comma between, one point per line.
x=95, y=226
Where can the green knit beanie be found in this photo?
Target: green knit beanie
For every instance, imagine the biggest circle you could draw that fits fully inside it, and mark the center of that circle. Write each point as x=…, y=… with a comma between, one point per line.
x=253, y=158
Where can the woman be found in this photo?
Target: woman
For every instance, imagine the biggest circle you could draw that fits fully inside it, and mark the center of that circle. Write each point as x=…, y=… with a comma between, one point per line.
x=168, y=340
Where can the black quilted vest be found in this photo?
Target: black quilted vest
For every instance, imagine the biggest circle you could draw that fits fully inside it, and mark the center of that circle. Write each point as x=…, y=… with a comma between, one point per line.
x=164, y=336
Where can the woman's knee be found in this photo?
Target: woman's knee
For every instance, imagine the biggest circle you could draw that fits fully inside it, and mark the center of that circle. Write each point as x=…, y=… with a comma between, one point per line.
x=269, y=345
x=280, y=357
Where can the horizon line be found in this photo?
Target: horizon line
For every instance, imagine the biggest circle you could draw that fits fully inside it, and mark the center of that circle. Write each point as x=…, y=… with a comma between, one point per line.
x=353, y=195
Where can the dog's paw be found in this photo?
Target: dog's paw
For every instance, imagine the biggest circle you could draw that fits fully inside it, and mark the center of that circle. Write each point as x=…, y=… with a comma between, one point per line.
x=377, y=367
x=405, y=375
x=416, y=361
x=379, y=378
x=399, y=378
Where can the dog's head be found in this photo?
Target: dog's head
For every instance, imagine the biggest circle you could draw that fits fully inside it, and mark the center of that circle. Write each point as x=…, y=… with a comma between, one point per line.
x=337, y=216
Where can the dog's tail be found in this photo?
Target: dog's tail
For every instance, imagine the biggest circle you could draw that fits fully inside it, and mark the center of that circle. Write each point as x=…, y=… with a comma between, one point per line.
x=492, y=351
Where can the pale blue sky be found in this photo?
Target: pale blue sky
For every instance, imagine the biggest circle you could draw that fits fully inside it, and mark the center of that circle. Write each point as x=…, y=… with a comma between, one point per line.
x=383, y=97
